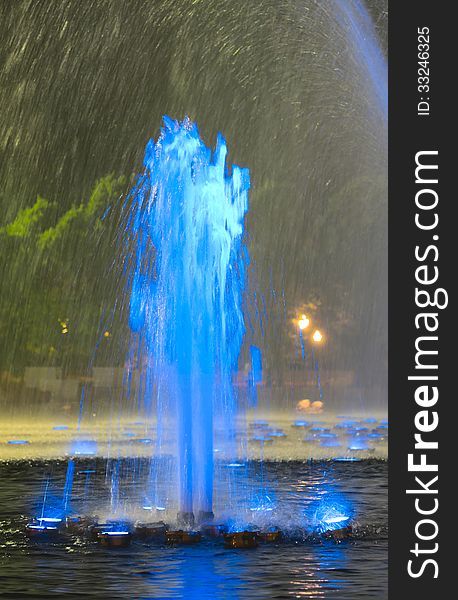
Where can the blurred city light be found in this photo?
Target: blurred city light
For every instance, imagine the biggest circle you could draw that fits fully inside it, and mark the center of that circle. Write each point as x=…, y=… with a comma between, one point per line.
x=303, y=322
x=317, y=336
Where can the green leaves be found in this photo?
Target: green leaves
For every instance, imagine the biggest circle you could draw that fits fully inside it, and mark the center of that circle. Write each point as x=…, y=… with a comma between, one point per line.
x=76, y=221
x=27, y=219
x=56, y=264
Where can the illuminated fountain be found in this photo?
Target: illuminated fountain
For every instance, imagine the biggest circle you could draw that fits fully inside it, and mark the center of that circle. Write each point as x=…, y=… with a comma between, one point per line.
x=187, y=276
x=185, y=264
x=183, y=239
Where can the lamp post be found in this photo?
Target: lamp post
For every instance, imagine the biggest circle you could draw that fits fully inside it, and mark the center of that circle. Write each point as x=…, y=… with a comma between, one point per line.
x=303, y=323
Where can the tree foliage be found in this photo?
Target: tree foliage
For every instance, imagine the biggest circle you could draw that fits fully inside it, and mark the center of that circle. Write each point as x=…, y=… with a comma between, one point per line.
x=55, y=272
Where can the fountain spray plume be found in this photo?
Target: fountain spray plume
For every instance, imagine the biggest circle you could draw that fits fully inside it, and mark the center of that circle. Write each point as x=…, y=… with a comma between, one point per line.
x=186, y=285
x=358, y=26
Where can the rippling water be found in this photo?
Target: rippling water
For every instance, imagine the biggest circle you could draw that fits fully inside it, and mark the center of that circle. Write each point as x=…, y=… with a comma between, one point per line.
x=349, y=570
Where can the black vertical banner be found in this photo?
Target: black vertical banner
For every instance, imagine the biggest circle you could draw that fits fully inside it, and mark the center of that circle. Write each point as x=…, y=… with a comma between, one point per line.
x=422, y=327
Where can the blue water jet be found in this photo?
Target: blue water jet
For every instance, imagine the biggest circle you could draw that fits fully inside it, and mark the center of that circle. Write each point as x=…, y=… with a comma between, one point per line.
x=187, y=277
x=68, y=484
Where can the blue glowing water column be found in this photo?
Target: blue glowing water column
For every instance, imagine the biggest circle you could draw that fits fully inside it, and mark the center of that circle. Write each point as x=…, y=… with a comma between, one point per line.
x=68, y=484
x=187, y=282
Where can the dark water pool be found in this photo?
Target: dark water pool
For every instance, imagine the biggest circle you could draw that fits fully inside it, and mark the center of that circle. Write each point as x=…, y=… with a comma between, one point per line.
x=75, y=568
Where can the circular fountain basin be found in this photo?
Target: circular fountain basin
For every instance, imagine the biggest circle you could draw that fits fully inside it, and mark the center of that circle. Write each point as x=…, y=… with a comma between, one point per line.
x=183, y=537
x=271, y=535
x=150, y=530
x=42, y=528
x=241, y=539
x=114, y=539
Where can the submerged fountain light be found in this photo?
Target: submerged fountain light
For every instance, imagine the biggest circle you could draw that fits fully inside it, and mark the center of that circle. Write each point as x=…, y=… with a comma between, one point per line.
x=359, y=444
x=114, y=536
x=332, y=513
x=340, y=521
x=47, y=520
x=83, y=448
x=39, y=528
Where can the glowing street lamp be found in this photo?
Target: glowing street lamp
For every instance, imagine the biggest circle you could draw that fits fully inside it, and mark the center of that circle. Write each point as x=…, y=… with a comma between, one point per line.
x=317, y=337
x=303, y=322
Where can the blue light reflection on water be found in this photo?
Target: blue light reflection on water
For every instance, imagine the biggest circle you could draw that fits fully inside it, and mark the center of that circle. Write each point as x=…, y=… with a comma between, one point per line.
x=83, y=448
x=358, y=444
x=350, y=570
x=18, y=442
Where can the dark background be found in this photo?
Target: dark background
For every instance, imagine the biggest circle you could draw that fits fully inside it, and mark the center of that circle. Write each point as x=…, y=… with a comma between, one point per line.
x=84, y=85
